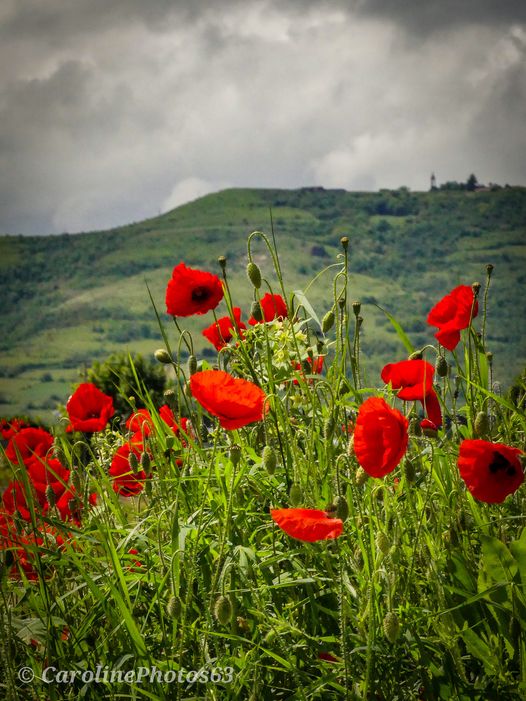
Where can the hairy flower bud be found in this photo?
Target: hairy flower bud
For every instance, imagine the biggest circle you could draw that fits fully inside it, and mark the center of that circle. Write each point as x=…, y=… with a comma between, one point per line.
x=192, y=364
x=441, y=366
x=256, y=312
x=409, y=471
x=481, y=424
x=145, y=461
x=295, y=494
x=269, y=459
x=328, y=321
x=173, y=607
x=133, y=462
x=391, y=626
x=162, y=356
x=341, y=508
x=223, y=610
x=382, y=542
x=360, y=477
x=235, y=454
x=254, y=275
x=416, y=355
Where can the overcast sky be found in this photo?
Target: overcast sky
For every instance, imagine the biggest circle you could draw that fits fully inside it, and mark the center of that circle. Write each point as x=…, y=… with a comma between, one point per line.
x=115, y=110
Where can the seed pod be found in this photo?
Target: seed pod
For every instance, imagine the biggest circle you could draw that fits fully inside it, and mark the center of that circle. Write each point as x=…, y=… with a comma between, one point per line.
x=356, y=307
x=328, y=321
x=295, y=494
x=223, y=610
x=344, y=242
x=476, y=288
x=382, y=542
x=222, y=262
x=342, y=508
x=269, y=459
x=391, y=626
x=162, y=356
x=192, y=364
x=254, y=275
x=441, y=366
x=170, y=397
x=481, y=424
x=489, y=269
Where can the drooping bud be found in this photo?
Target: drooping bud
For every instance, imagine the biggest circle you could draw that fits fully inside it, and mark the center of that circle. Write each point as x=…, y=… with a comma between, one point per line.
x=173, y=607
x=416, y=355
x=162, y=356
x=344, y=242
x=328, y=321
x=356, y=307
x=342, y=508
x=441, y=366
x=476, y=288
x=295, y=494
x=256, y=311
x=133, y=462
x=223, y=610
x=254, y=274
x=382, y=542
x=269, y=459
x=145, y=461
x=235, y=454
x=192, y=364
x=391, y=626
x=360, y=477
x=481, y=424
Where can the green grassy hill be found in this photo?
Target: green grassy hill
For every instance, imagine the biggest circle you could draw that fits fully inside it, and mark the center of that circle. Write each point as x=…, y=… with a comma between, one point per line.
x=71, y=299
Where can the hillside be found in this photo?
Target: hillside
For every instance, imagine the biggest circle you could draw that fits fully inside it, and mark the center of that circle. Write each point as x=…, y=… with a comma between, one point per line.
x=70, y=299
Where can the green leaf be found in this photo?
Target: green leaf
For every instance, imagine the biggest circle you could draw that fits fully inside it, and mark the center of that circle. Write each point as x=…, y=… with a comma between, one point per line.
x=399, y=330
x=304, y=302
x=497, y=560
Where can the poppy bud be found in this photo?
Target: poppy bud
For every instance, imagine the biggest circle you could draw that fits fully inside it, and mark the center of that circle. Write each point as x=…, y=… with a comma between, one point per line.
x=476, y=288
x=162, y=356
x=133, y=462
x=344, y=242
x=192, y=364
x=356, y=307
x=328, y=321
x=328, y=427
x=235, y=454
x=360, y=477
x=269, y=459
x=50, y=496
x=391, y=626
x=222, y=262
x=145, y=461
x=489, y=269
x=342, y=508
x=254, y=275
x=409, y=471
x=295, y=494
x=170, y=398
x=256, y=312
x=481, y=424
x=173, y=607
x=441, y=366
x=417, y=355
x=223, y=610
x=382, y=542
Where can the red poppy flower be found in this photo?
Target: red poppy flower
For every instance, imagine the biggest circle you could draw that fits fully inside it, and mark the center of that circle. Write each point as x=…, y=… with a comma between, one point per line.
x=235, y=402
x=47, y=473
x=140, y=420
x=491, y=471
x=167, y=415
x=126, y=482
x=316, y=367
x=29, y=443
x=380, y=437
x=453, y=313
x=9, y=428
x=192, y=291
x=89, y=409
x=14, y=499
x=272, y=306
x=309, y=525
x=414, y=380
x=70, y=505
x=221, y=331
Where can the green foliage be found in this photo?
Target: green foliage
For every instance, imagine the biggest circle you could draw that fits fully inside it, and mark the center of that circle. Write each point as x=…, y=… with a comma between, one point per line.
x=129, y=379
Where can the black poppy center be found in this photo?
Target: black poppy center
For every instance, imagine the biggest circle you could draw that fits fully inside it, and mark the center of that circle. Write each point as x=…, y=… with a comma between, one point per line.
x=500, y=463
x=200, y=294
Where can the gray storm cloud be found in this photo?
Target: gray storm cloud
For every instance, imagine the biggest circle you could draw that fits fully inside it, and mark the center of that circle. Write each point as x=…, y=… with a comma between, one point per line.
x=114, y=111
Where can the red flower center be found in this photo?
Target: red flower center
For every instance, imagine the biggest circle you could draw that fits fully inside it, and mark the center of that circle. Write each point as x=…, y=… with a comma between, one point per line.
x=200, y=294
x=499, y=462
